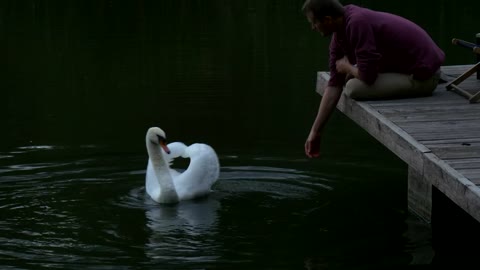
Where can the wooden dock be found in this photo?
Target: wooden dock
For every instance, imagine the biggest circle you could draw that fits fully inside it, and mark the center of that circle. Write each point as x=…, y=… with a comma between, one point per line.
x=438, y=137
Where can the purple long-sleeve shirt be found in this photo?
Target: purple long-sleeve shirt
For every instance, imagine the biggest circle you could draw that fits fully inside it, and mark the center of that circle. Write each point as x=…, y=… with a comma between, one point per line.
x=380, y=42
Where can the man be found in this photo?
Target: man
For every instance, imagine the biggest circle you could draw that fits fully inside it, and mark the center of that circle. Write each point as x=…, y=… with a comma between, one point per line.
x=373, y=55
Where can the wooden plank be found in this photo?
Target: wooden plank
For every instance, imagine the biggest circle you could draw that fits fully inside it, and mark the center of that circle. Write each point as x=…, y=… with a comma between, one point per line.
x=456, y=70
x=443, y=135
x=456, y=152
x=475, y=179
x=447, y=106
x=453, y=184
x=472, y=174
x=466, y=126
x=450, y=144
x=464, y=163
x=425, y=118
x=430, y=112
x=451, y=141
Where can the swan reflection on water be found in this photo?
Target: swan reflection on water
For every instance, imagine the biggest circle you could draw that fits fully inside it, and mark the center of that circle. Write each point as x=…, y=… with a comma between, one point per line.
x=191, y=217
x=183, y=232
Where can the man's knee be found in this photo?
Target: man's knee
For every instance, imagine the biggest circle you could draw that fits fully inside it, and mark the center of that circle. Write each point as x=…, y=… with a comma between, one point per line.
x=356, y=89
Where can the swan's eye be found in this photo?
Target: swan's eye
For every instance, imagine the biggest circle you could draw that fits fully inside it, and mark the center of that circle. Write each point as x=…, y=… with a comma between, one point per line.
x=161, y=139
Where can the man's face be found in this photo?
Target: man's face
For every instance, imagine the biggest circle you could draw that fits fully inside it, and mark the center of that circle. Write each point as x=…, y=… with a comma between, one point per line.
x=324, y=26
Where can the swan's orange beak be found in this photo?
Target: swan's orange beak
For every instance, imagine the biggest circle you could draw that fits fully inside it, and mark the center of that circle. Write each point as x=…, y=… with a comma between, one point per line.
x=164, y=147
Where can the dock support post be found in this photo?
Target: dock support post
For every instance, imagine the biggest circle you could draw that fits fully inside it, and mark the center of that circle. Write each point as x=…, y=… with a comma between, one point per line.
x=477, y=39
x=419, y=195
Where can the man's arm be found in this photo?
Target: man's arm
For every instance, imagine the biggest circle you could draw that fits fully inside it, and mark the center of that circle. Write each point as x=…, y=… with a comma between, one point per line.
x=363, y=40
x=327, y=106
x=335, y=53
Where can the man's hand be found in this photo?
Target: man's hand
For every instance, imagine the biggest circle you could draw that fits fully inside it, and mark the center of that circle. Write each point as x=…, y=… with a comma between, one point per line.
x=344, y=66
x=312, y=145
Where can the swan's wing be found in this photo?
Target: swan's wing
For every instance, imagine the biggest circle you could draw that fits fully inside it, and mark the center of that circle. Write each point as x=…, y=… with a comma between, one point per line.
x=201, y=174
x=177, y=149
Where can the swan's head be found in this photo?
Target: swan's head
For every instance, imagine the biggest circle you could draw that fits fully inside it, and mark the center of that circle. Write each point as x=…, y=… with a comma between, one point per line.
x=157, y=136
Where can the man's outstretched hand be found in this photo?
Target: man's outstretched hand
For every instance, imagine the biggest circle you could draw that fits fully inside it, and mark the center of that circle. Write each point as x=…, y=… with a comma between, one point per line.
x=312, y=145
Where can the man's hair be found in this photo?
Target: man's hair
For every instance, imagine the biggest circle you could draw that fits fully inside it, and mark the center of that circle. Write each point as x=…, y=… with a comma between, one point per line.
x=322, y=8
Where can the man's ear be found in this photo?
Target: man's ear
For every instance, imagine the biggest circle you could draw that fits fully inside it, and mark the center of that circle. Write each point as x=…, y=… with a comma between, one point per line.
x=327, y=20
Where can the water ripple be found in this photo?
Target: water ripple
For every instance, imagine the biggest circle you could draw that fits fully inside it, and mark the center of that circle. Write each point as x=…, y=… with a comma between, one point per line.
x=87, y=213
x=283, y=182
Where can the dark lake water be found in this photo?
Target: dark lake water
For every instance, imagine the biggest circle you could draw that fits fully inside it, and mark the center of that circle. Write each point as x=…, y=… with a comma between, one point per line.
x=82, y=81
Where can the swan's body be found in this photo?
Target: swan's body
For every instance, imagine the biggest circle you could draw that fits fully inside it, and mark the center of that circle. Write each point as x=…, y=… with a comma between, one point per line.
x=166, y=185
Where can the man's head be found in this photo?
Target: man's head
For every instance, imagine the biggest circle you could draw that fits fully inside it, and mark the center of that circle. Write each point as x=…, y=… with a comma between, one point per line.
x=324, y=15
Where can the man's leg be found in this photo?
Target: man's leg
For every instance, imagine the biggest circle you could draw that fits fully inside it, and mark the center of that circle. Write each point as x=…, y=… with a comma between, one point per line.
x=390, y=86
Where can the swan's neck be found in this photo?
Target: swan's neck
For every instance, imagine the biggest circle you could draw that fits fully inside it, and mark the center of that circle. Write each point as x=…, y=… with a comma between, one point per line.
x=168, y=194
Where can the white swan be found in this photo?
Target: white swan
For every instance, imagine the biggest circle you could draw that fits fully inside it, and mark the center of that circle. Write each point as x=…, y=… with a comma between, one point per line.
x=166, y=185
